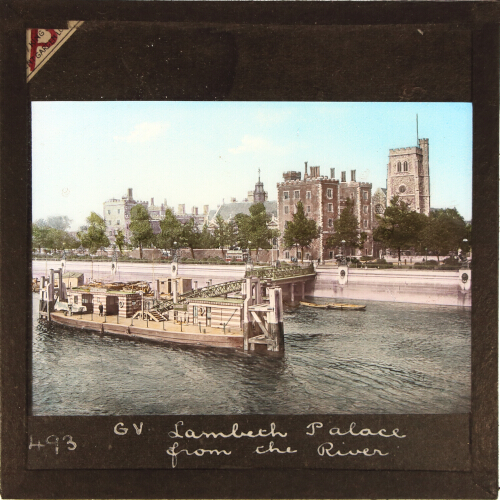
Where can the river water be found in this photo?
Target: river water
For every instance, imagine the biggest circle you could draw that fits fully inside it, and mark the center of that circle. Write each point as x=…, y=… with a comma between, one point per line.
x=391, y=358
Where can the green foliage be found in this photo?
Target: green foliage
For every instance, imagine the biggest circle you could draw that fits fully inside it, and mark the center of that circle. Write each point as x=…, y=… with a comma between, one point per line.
x=120, y=241
x=225, y=232
x=346, y=228
x=94, y=236
x=190, y=235
x=206, y=239
x=171, y=231
x=140, y=227
x=52, y=234
x=445, y=231
x=300, y=231
x=253, y=231
x=399, y=227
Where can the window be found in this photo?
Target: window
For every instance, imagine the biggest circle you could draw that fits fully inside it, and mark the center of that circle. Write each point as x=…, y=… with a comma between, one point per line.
x=343, y=177
x=286, y=195
x=365, y=195
x=118, y=210
x=399, y=166
x=287, y=255
x=402, y=188
x=195, y=311
x=330, y=222
x=308, y=256
x=308, y=195
x=299, y=255
x=365, y=223
x=296, y=194
x=308, y=209
x=365, y=209
x=330, y=254
x=379, y=209
x=117, y=222
x=405, y=166
x=286, y=209
x=109, y=212
x=330, y=207
x=329, y=193
x=75, y=299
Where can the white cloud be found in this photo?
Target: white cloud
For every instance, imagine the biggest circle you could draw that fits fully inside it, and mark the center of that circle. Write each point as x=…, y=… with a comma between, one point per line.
x=253, y=144
x=143, y=132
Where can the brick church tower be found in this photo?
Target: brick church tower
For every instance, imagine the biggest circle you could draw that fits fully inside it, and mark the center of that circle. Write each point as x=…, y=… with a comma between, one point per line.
x=408, y=176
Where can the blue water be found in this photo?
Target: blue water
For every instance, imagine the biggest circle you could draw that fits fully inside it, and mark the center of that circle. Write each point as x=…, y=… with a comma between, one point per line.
x=391, y=358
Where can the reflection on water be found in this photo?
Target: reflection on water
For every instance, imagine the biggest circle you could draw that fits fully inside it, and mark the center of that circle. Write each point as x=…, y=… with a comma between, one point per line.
x=391, y=358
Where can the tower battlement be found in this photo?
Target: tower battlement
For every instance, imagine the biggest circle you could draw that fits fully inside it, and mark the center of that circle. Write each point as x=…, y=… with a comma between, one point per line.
x=405, y=151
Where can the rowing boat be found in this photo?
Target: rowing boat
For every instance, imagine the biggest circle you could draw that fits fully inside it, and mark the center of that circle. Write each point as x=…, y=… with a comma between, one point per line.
x=342, y=307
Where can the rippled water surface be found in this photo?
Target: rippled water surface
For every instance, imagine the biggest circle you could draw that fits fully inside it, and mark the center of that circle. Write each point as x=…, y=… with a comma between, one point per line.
x=391, y=358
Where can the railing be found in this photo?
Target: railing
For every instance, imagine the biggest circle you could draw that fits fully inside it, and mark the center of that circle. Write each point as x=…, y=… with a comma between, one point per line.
x=275, y=273
x=208, y=291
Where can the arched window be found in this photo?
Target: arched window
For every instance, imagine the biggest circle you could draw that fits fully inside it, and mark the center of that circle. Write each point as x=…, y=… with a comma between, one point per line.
x=399, y=166
x=405, y=166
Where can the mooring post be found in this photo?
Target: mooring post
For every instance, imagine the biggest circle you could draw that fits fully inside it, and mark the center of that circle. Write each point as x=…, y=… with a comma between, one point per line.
x=275, y=320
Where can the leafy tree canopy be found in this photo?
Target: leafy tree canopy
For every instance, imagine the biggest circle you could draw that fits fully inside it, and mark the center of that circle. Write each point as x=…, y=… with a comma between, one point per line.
x=171, y=231
x=225, y=232
x=120, y=240
x=300, y=231
x=445, y=231
x=94, y=236
x=399, y=227
x=346, y=229
x=140, y=227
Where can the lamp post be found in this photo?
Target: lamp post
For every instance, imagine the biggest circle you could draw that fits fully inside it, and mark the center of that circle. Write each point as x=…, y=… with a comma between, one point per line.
x=343, y=260
x=63, y=261
x=465, y=261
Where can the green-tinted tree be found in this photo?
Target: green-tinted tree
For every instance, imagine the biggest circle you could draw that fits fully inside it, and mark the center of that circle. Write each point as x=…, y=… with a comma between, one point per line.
x=171, y=231
x=347, y=229
x=207, y=239
x=140, y=227
x=93, y=236
x=225, y=233
x=190, y=235
x=399, y=228
x=300, y=231
x=444, y=232
x=61, y=222
x=120, y=240
x=40, y=234
x=253, y=230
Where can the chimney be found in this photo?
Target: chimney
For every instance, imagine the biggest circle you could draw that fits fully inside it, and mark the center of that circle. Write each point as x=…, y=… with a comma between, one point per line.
x=343, y=176
x=314, y=171
x=181, y=209
x=205, y=209
x=129, y=194
x=332, y=173
x=305, y=171
x=152, y=201
x=194, y=210
x=353, y=175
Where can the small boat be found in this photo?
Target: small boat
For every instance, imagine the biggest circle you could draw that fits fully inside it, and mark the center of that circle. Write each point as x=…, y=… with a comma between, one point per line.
x=342, y=307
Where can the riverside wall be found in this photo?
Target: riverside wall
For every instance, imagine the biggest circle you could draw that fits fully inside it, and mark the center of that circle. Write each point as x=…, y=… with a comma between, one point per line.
x=392, y=285
x=444, y=288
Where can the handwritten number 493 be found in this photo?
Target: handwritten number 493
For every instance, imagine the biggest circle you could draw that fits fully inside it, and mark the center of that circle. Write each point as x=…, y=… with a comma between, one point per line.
x=54, y=441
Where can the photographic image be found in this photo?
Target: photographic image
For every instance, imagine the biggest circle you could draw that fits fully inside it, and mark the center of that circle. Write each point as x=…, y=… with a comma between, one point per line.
x=251, y=258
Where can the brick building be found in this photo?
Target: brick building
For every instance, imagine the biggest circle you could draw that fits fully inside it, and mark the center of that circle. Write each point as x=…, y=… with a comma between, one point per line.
x=323, y=199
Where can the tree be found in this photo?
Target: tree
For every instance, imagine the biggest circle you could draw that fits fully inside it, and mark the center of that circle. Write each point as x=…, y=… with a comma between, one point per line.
x=300, y=231
x=207, y=239
x=445, y=231
x=225, y=233
x=399, y=227
x=61, y=222
x=120, y=240
x=140, y=227
x=346, y=229
x=93, y=236
x=40, y=234
x=253, y=230
x=171, y=231
x=190, y=235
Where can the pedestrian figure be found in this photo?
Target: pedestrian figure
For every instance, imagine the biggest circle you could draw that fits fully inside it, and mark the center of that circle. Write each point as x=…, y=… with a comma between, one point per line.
x=319, y=260
x=101, y=309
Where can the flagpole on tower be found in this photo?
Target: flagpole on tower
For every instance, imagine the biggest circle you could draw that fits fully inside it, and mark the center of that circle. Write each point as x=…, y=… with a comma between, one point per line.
x=417, y=130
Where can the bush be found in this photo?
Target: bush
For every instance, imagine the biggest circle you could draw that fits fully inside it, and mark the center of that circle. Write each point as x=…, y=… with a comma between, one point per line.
x=366, y=258
x=379, y=266
x=381, y=261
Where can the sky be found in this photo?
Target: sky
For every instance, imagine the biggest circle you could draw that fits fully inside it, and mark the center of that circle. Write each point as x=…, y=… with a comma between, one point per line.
x=205, y=153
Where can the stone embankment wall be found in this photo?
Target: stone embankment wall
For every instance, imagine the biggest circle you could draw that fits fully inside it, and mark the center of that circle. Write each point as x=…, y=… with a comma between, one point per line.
x=421, y=287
